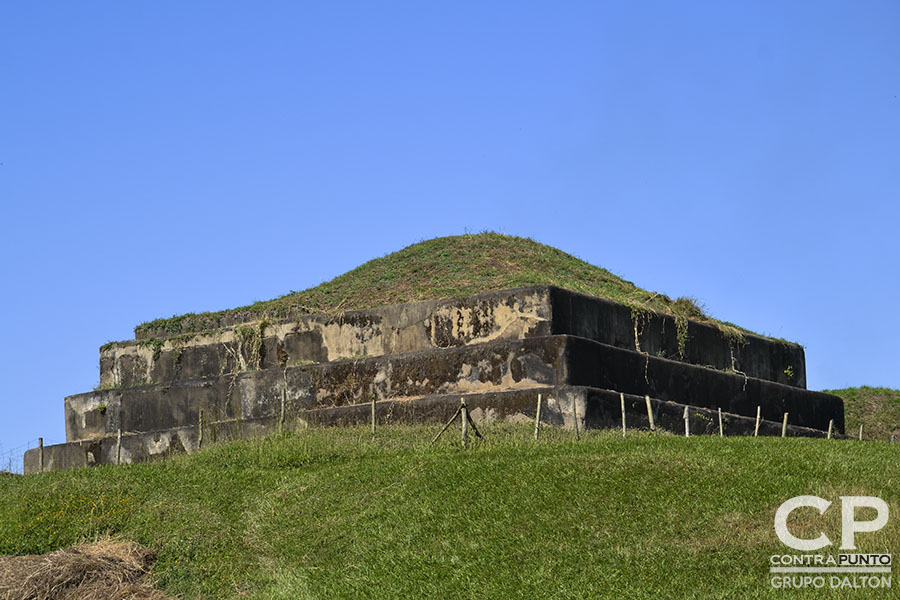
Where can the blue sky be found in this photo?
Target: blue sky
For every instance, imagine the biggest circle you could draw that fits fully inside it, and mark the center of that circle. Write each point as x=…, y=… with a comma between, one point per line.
x=159, y=158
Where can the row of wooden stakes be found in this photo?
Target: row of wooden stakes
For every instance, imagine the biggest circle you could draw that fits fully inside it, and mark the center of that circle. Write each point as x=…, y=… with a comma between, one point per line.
x=466, y=420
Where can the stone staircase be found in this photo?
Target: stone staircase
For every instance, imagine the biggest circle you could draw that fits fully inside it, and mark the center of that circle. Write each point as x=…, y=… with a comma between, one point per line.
x=161, y=392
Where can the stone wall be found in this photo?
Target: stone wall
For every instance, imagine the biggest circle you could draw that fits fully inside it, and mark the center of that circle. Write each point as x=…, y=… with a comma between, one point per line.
x=496, y=365
x=434, y=324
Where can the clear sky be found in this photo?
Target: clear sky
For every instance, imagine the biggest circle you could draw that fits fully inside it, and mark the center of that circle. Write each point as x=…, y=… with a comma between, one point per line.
x=164, y=157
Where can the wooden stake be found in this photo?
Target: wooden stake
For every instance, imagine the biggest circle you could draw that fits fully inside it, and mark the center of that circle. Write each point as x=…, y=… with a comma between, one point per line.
x=281, y=415
x=464, y=410
x=373, y=417
x=830, y=425
x=622, y=399
x=784, y=426
x=119, y=446
x=860, y=432
x=472, y=424
x=721, y=429
x=687, y=423
x=537, y=419
x=40, y=455
x=200, y=426
x=447, y=425
x=575, y=416
x=650, y=414
x=756, y=427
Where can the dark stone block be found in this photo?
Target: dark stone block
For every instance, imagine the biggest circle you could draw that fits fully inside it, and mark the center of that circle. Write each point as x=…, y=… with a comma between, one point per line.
x=488, y=367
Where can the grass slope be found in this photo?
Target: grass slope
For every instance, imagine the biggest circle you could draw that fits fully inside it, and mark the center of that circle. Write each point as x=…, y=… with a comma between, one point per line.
x=876, y=409
x=441, y=268
x=328, y=514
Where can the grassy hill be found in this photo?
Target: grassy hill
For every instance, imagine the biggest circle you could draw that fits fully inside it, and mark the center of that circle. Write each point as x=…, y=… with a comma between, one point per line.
x=446, y=267
x=326, y=513
x=877, y=409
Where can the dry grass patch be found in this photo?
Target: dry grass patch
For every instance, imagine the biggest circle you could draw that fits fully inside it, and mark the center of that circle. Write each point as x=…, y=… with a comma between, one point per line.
x=111, y=570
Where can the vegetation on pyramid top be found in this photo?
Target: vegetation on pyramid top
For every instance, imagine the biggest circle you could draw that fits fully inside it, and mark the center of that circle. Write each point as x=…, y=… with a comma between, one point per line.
x=441, y=268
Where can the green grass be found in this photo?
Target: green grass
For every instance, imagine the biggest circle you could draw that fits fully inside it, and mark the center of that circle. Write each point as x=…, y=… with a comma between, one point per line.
x=446, y=267
x=876, y=409
x=326, y=513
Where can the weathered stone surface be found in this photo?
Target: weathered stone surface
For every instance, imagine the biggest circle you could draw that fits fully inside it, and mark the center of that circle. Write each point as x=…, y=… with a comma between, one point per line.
x=505, y=315
x=597, y=365
x=594, y=408
x=143, y=447
x=491, y=366
x=690, y=341
x=472, y=368
x=321, y=338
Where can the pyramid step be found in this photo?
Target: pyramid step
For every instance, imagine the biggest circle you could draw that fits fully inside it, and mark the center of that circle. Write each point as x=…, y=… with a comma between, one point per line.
x=492, y=366
x=593, y=408
x=562, y=405
x=434, y=324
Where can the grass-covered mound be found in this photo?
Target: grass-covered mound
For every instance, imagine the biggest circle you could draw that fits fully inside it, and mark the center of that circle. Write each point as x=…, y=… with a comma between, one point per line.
x=328, y=514
x=439, y=268
x=877, y=409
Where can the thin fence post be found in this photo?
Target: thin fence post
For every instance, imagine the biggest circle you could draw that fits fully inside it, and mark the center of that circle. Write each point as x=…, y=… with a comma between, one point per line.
x=373, y=417
x=464, y=410
x=281, y=414
x=537, y=419
x=756, y=427
x=687, y=423
x=721, y=429
x=446, y=425
x=860, y=432
x=650, y=415
x=40, y=456
x=119, y=445
x=472, y=424
x=622, y=399
x=575, y=416
x=200, y=427
x=784, y=426
x=830, y=425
